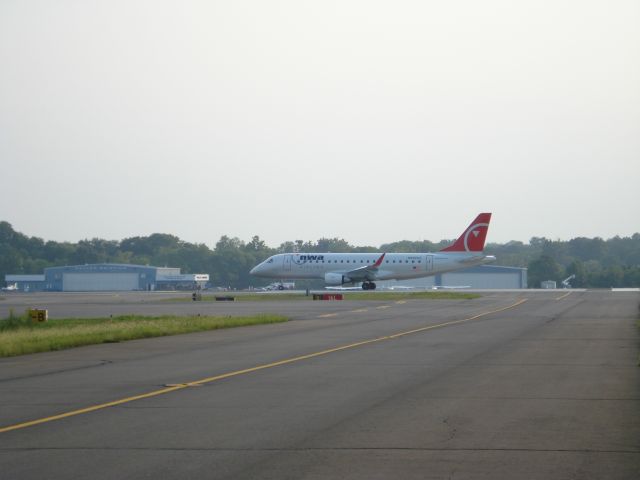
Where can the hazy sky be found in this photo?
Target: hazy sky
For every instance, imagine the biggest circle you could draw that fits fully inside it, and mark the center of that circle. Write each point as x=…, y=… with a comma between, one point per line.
x=366, y=120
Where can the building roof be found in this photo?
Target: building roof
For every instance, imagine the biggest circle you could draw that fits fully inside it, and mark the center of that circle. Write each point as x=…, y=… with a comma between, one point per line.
x=102, y=266
x=24, y=278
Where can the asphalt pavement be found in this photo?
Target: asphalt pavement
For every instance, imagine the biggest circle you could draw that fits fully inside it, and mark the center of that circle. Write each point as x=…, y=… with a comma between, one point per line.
x=510, y=385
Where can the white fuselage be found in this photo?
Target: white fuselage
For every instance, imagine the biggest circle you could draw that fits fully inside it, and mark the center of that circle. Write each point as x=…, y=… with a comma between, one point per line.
x=396, y=266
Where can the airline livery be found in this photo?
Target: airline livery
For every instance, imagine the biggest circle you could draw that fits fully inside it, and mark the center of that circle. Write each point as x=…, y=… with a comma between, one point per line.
x=338, y=269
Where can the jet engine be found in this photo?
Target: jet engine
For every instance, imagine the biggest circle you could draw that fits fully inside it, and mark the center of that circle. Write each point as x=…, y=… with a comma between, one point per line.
x=335, y=279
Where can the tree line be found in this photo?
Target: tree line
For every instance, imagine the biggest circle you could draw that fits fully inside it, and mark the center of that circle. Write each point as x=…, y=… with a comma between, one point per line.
x=596, y=263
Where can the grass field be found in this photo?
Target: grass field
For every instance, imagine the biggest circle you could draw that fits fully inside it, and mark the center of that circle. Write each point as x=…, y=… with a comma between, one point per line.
x=277, y=296
x=19, y=335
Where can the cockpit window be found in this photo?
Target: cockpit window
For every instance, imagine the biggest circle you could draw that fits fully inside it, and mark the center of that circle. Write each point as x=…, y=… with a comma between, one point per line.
x=270, y=260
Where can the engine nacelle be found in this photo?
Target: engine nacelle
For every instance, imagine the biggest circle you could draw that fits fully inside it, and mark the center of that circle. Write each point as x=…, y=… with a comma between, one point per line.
x=335, y=279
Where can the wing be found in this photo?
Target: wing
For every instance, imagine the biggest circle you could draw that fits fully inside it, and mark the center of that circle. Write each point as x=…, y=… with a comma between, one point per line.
x=366, y=272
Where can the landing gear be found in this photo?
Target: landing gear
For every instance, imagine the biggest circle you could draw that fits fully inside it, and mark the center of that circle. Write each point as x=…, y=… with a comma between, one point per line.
x=368, y=286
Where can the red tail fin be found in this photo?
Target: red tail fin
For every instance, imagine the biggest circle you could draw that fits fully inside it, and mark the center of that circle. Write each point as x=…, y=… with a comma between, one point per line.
x=472, y=240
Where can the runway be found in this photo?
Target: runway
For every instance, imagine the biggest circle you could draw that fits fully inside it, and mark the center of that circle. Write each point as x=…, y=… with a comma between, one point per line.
x=510, y=385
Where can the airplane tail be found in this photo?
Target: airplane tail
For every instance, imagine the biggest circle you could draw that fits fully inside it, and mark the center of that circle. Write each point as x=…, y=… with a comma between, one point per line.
x=472, y=240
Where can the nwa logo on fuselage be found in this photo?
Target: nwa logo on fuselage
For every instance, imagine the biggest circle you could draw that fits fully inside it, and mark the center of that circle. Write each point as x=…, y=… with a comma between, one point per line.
x=300, y=259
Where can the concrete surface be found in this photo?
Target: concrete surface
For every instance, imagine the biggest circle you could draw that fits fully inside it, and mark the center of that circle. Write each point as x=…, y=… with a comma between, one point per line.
x=545, y=389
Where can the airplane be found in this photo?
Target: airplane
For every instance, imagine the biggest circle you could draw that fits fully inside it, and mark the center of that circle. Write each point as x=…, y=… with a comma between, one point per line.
x=280, y=286
x=338, y=269
x=12, y=287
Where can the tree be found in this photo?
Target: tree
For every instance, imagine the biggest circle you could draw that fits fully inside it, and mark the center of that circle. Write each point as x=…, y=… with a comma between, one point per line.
x=544, y=268
x=335, y=245
x=225, y=243
x=595, y=262
x=286, y=247
x=151, y=244
x=256, y=245
x=577, y=268
x=11, y=260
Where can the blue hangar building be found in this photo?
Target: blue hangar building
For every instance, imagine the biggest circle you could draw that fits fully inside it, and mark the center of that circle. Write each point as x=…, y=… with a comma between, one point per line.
x=107, y=277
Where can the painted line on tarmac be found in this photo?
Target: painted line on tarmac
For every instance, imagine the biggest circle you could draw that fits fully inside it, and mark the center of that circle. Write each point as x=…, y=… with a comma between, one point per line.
x=564, y=296
x=91, y=409
x=328, y=315
x=197, y=383
x=382, y=307
x=453, y=322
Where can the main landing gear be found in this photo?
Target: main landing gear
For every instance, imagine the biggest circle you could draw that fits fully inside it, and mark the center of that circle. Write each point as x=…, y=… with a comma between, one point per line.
x=368, y=286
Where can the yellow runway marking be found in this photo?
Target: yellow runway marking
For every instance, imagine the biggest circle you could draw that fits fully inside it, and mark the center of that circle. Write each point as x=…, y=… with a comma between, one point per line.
x=327, y=315
x=400, y=302
x=382, y=307
x=453, y=322
x=91, y=409
x=360, y=310
x=197, y=383
x=564, y=296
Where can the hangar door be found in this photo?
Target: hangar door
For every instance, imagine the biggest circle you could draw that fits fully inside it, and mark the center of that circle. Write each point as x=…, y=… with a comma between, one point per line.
x=96, y=282
x=482, y=280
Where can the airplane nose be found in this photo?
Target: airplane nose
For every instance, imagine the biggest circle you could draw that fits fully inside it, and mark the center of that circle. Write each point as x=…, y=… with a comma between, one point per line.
x=256, y=270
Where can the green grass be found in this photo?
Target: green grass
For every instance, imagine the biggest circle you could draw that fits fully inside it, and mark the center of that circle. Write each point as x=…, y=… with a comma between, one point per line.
x=348, y=295
x=19, y=335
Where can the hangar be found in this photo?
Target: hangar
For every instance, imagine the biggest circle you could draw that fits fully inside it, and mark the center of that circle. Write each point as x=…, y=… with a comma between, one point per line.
x=107, y=277
x=481, y=277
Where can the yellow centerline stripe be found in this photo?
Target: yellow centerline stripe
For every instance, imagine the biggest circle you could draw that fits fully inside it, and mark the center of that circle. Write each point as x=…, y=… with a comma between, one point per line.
x=236, y=373
x=564, y=296
x=453, y=322
x=92, y=408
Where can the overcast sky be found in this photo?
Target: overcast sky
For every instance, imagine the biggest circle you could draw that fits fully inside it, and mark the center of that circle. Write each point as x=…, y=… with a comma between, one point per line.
x=366, y=120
